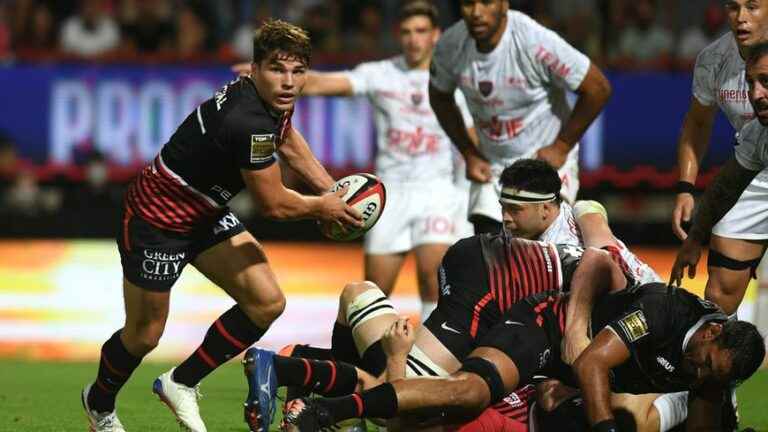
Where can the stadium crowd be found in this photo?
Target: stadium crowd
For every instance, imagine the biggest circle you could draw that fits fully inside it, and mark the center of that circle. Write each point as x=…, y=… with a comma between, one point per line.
x=622, y=34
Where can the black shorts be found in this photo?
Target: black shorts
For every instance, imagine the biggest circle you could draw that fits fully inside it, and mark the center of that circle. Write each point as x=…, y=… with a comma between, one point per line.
x=529, y=337
x=153, y=258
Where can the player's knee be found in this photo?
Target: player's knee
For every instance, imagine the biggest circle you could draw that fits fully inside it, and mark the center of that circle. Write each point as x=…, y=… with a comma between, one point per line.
x=485, y=376
x=265, y=312
x=144, y=338
x=354, y=289
x=363, y=301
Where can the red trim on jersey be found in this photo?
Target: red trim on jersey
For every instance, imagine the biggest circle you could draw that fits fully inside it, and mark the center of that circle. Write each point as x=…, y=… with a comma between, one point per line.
x=359, y=403
x=476, y=313
x=126, y=236
x=231, y=339
x=162, y=198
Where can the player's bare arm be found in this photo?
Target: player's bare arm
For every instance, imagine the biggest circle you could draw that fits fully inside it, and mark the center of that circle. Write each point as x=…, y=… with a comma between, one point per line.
x=278, y=202
x=704, y=410
x=597, y=274
x=397, y=342
x=592, y=367
x=296, y=152
x=594, y=92
x=718, y=199
x=693, y=144
x=327, y=84
x=450, y=119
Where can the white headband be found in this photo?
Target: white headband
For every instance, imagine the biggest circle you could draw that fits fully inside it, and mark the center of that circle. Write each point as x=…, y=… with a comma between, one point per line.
x=520, y=196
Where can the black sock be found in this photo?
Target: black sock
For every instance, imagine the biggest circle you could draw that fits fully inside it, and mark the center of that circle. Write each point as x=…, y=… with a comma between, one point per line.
x=378, y=402
x=374, y=359
x=343, y=344
x=230, y=335
x=325, y=377
x=314, y=353
x=115, y=367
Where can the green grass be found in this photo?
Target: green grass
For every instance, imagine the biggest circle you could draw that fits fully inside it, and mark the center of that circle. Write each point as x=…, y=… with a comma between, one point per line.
x=45, y=396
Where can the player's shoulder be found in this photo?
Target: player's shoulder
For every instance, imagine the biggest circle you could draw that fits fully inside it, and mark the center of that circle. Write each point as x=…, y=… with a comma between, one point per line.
x=526, y=29
x=247, y=109
x=717, y=53
x=390, y=64
x=753, y=132
x=453, y=41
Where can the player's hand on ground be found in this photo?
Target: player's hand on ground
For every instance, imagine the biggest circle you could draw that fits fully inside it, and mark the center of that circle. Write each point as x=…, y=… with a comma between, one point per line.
x=335, y=210
x=398, y=338
x=572, y=346
x=682, y=214
x=555, y=154
x=478, y=169
x=687, y=257
x=241, y=68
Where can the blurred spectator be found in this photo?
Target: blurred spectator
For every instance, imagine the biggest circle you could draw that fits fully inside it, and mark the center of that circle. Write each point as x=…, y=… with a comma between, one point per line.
x=193, y=35
x=645, y=44
x=5, y=33
x=578, y=23
x=370, y=37
x=37, y=38
x=322, y=23
x=97, y=194
x=147, y=25
x=90, y=32
x=697, y=38
x=242, y=41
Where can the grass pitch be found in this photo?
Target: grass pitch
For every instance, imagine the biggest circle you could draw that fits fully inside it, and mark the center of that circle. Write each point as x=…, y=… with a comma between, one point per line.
x=45, y=396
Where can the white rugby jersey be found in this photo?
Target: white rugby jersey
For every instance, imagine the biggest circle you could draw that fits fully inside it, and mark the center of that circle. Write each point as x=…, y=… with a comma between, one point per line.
x=752, y=151
x=718, y=78
x=517, y=92
x=411, y=143
x=565, y=231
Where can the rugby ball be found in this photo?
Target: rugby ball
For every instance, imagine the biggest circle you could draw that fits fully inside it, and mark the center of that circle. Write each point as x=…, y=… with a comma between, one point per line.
x=366, y=194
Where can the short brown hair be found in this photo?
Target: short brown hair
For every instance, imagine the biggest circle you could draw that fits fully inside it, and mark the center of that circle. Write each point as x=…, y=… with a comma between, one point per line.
x=279, y=36
x=419, y=7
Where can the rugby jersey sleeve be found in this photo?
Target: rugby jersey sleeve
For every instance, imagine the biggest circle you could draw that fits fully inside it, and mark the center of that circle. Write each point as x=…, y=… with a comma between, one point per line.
x=441, y=74
x=751, y=143
x=251, y=139
x=461, y=102
x=643, y=324
x=704, y=76
x=363, y=78
x=553, y=60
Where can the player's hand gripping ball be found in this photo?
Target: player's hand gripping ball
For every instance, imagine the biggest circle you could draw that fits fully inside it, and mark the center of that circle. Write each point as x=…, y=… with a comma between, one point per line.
x=366, y=194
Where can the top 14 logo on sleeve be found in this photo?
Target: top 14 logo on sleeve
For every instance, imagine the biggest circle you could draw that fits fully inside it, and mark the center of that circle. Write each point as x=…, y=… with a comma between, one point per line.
x=262, y=147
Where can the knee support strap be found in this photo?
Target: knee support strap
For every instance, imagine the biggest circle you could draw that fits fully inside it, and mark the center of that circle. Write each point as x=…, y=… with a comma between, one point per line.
x=488, y=372
x=368, y=305
x=717, y=259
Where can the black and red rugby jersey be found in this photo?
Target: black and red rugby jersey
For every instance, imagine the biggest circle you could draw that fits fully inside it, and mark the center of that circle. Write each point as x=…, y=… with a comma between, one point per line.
x=198, y=170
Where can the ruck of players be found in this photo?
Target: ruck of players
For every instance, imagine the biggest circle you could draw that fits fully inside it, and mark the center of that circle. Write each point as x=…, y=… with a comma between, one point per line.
x=534, y=315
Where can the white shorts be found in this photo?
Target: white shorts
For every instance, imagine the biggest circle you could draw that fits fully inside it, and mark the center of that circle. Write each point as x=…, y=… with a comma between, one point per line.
x=484, y=197
x=415, y=214
x=464, y=227
x=748, y=219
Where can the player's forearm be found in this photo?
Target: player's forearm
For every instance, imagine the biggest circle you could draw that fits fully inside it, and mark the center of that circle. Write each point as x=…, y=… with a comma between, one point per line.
x=592, y=278
x=694, y=140
x=327, y=84
x=395, y=369
x=704, y=411
x=595, y=387
x=297, y=154
x=289, y=204
x=593, y=95
x=450, y=119
x=719, y=198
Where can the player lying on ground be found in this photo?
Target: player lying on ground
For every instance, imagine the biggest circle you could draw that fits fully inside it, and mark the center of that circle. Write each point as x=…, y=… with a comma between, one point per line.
x=471, y=302
x=649, y=338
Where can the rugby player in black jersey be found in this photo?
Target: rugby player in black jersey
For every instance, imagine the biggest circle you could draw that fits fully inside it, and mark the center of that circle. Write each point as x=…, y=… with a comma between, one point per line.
x=175, y=213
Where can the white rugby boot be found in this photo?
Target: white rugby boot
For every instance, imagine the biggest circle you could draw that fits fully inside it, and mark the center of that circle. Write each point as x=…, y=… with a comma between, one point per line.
x=182, y=400
x=100, y=422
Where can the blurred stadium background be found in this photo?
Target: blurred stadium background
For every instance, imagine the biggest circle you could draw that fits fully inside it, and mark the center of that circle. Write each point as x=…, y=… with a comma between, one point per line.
x=92, y=89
